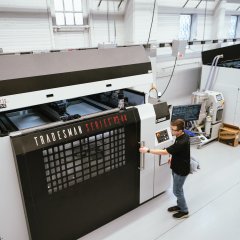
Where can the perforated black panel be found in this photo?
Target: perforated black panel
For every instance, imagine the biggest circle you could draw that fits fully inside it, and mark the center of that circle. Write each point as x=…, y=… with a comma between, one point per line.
x=77, y=161
x=75, y=183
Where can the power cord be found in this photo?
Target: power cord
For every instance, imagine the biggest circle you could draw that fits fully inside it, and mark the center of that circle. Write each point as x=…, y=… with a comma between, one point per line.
x=108, y=21
x=115, y=31
x=204, y=25
x=170, y=77
x=153, y=13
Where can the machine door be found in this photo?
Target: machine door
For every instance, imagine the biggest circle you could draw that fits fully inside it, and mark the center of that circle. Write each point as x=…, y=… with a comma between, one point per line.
x=79, y=176
x=162, y=176
x=148, y=117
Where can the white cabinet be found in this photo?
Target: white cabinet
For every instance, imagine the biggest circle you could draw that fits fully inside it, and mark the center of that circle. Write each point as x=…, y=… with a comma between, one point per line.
x=147, y=116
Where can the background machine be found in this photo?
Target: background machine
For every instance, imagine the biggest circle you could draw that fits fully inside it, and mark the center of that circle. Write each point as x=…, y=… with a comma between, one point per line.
x=211, y=115
x=218, y=82
x=70, y=127
x=203, y=117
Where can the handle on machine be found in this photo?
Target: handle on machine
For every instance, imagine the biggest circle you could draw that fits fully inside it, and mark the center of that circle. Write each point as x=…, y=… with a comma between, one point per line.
x=142, y=157
x=160, y=160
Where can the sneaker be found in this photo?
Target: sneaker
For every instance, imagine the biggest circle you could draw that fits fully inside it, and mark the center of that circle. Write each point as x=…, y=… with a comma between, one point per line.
x=174, y=209
x=180, y=215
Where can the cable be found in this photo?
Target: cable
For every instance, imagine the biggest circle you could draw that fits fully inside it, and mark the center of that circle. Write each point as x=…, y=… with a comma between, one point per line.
x=114, y=22
x=108, y=21
x=204, y=25
x=210, y=74
x=153, y=13
x=213, y=80
x=170, y=77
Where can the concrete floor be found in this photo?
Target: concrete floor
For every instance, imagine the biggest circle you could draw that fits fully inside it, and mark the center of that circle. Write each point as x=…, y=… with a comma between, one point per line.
x=212, y=194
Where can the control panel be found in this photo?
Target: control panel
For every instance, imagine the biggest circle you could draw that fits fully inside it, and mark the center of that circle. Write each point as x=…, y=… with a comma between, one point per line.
x=162, y=136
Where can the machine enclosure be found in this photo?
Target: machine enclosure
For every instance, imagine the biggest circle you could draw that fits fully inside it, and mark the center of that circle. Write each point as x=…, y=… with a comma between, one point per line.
x=64, y=179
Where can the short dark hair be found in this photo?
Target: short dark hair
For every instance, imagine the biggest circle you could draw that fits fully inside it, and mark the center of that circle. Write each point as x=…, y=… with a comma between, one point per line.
x=179, y=123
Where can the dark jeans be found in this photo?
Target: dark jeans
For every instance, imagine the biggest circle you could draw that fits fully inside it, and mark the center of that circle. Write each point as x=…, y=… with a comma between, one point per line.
x=178, y=182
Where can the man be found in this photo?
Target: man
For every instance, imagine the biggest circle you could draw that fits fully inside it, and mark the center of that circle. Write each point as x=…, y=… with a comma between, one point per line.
x=179, y=163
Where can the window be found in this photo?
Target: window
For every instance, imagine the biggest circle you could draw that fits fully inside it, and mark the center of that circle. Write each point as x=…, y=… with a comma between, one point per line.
x=233, y=26
x=68, y=12
x=185, y=27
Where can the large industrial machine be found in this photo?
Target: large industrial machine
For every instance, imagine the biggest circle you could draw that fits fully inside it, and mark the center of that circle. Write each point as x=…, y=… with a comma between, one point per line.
x=71, y=124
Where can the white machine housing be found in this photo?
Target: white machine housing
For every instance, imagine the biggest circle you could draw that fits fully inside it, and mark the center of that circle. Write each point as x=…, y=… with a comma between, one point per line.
x=155, y=175
x=211, y=114
x=215, y=105
x=36, y=66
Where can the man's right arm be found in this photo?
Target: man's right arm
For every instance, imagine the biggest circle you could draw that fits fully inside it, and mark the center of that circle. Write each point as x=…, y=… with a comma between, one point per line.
x=153, y=151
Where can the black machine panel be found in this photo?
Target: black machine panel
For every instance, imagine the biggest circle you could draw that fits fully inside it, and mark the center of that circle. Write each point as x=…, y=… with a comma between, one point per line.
x=67, y=68
x=162, y=111
x=36, y=83
x=79, y=176
x=230, y=54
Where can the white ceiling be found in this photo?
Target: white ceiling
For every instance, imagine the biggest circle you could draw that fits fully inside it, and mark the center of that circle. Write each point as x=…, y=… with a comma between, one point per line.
x=187, y=3
x=231, y=5
x=116, y=6
x=112, y=5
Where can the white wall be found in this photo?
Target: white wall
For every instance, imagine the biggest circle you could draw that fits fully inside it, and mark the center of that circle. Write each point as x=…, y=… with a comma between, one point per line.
x=204, y=27
x=143, y=11
x=238, y=28
x=185, y=80
x=24, y=26
x=27, y=25
x=105, y=28
x=227, y=25
x=218, y=28
x=23, y=4
x=66, y=40
x=168, y=27
x=128, y=23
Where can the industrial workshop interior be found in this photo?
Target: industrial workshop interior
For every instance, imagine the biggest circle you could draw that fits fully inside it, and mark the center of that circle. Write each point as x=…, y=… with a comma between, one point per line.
x=90, y=91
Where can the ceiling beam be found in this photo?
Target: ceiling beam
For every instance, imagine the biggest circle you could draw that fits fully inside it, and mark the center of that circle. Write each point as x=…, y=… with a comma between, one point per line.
x=199, y=3
x=185, y=3
x=180, y=10
x=120, y=4
x=99, y=3
x=233, y=1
